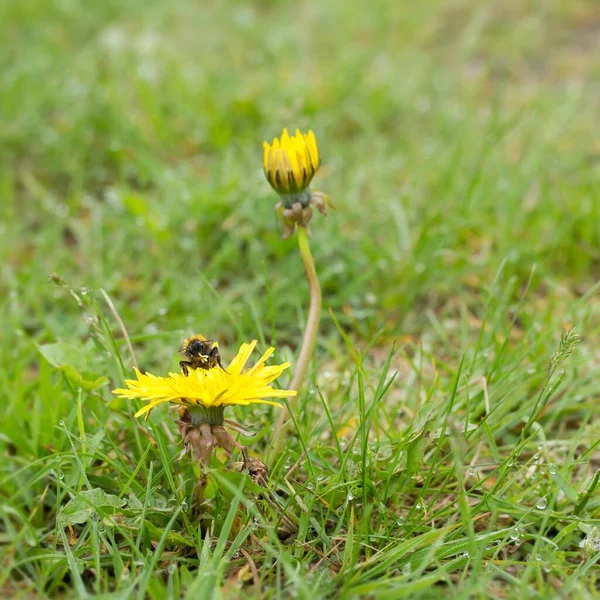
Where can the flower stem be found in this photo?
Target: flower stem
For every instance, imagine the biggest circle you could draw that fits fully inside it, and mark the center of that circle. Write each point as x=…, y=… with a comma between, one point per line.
x=310, y=332
x=200, y=489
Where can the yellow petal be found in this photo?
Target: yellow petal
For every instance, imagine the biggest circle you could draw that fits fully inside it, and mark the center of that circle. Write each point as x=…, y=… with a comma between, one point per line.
x=266, y=152
x=281, y=178
x=237, y=364
x=311, y=141
x=261, y=361
x=145, y=410
x=271, y=172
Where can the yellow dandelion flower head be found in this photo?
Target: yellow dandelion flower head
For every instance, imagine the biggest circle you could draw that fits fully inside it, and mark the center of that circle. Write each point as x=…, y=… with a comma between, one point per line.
x=215, y=387
x=291, y=162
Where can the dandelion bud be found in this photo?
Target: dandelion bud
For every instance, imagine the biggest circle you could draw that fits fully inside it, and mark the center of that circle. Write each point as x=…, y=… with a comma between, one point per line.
x=290, y=163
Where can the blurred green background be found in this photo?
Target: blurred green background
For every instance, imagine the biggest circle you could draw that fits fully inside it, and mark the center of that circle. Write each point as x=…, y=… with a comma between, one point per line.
x=456, y=136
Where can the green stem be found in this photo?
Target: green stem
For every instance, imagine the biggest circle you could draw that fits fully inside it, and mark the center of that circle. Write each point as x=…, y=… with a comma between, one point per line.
x=310, y=332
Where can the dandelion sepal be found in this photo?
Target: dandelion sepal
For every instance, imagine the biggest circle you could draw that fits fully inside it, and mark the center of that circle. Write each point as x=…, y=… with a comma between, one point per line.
x=303, y=198
x=213, y=415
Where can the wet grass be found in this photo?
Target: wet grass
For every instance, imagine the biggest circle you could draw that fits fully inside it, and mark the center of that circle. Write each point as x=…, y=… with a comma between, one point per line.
x=447, y=440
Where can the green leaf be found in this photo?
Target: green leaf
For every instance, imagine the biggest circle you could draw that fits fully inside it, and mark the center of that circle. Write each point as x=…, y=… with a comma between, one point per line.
x=415, y=450
x=80, y=509
x=133, y=502
x=237, y=481
x=62, y=355
x=172, y=536
x=71, y=361
x=565, y=486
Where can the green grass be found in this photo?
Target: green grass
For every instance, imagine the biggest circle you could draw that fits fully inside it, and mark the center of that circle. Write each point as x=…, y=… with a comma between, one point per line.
x=460, y=144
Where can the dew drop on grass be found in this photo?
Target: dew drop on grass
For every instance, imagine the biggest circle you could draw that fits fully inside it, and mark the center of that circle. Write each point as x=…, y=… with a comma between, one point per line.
x=320, y=477
x=355, y=450
x=406, y=569
x=552, y=469
x=184, y=506
x=327, y=374
x=539, y=557
x=542, y=504
x=514, y=534
x=350, y=496
x=310, y=485
x=172, y=568
x=61, y=423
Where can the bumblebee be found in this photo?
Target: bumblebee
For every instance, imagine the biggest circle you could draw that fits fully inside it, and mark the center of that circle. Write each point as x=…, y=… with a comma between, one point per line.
x=200, y=353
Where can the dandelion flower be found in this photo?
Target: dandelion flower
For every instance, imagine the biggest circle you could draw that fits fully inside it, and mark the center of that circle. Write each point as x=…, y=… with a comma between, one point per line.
x=207, y=392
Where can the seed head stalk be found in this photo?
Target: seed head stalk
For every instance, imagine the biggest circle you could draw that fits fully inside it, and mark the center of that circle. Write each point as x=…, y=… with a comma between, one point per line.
x=310, y=332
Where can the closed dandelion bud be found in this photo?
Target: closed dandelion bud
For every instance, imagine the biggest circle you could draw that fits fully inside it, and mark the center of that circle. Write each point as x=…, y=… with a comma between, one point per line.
x=290, y=163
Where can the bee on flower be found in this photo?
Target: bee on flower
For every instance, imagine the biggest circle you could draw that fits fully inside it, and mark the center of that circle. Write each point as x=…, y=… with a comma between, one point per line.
x=290, y=163
x=200, y=353
x=204, y=394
